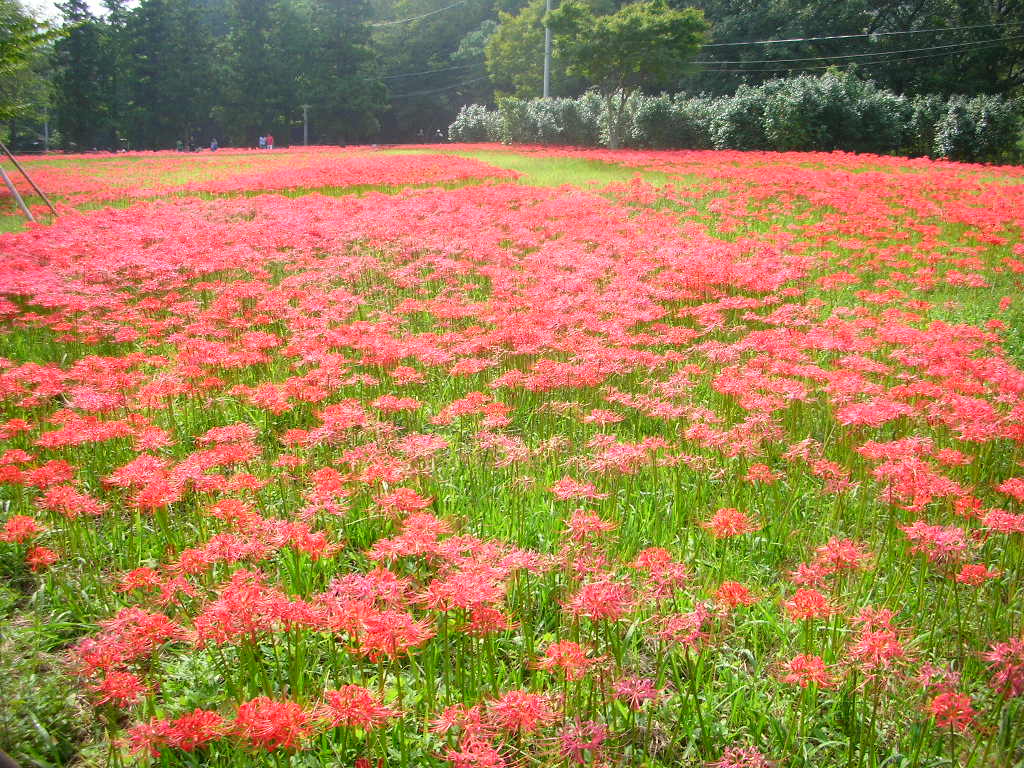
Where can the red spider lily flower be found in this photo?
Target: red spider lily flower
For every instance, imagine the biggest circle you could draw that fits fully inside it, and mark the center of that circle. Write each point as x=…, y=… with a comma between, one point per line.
x=733, y=594
x=186, y=733
x=53, y=472
x=353, y=706
x=392, y=633
x=521, y=711
x=485, y=620
x=139, y=578
x=602, y=417
x=403, y=500
x=728, y=522
x=814, y=574
x=761, y=473
x=874, y=650
x=937, y=543
x=583, y=524
x=805, y=670
x=686, y=629
x=636, y=691
x=579, y=738
x=40, y=558
x=19, y=529
x=1001, y=521
x=841, y=554
x=603, y=599
x=1014, y=487
x=119, y=688
x=741, y=756
x=475, y=752
x=271, y=723
x=809, y=604
x=404, y=374
x=570, y=657
x=663, y=574
x=194, y=729
x=459, y=716
x=393, y=404
x=976, y=574
x=939, y=678
x=952, y=710
x=567, y=488
x=1006, y=663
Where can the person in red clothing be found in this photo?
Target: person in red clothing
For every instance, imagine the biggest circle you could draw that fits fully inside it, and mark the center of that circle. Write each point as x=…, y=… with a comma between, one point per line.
x=270, y=141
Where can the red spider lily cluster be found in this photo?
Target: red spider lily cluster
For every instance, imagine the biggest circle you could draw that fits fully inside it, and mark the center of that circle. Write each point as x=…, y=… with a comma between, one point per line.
x=501, y=475
x=226, y=172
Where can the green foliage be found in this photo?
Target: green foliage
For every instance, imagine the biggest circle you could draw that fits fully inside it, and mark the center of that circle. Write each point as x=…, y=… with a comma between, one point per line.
x=642, y=44
x=515, y=52
x=432, y=65
x=670, y=120
x=981, y=128
x=475, y=123
x=985, y=49
x=834, y=111
x=43, y=720
x=21, y=39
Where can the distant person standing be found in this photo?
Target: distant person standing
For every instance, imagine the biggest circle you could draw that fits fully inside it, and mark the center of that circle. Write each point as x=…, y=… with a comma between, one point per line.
x=270, y=141
x=213, y=144
x=263, y=141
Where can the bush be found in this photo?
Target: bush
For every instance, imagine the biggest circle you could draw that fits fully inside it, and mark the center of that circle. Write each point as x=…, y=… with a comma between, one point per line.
x=737, y=121
x=981, y=128
x=474, y=123
x=833, y=111
x=925, y=114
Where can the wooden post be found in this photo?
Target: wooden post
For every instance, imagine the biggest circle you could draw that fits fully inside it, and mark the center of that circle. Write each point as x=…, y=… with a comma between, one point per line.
x=21, y=204
x=28, y=178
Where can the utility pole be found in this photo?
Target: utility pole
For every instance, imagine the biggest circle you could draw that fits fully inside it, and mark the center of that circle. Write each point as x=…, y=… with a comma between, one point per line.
x=305, y=125
x=547, y=55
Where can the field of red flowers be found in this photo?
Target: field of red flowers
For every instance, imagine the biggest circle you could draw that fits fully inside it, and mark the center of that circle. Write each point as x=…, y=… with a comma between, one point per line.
x=721, y=464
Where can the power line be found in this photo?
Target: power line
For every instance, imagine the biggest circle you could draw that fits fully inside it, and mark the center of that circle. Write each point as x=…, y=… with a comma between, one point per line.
x=866, y=34
x=430, y=71
x=438, y=90
x=965, y=45
x=849, y=64
x=417, y=18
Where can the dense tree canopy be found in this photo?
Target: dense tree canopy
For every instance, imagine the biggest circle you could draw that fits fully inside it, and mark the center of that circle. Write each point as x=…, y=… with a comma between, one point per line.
x=151, y=73
x=642, y=44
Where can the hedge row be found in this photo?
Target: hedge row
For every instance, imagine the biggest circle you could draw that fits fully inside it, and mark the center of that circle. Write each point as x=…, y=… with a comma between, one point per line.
x=826, y=112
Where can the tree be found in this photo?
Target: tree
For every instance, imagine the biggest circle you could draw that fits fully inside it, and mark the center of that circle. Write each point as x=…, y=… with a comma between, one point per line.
x=24, y=87
x=959, y=46
x=432, y=64
x=515, y=54
x=82, y=79
x=340, y=79
x=170, y=72
x=645, y=44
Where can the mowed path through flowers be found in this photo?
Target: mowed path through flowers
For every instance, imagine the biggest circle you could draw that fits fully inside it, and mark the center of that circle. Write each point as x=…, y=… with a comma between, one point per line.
x=724, y=468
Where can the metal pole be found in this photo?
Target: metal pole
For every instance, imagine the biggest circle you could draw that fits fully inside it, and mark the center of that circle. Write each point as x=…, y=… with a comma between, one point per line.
x=547, y=56
x=305, y=125
x=17, y=197
x=28, y=178
x=46, y=129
